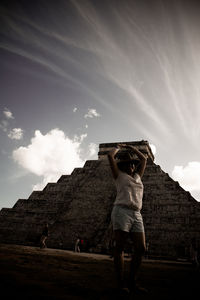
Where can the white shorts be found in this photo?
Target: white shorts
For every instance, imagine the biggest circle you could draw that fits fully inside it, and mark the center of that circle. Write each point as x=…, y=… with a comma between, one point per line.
x=126, y=219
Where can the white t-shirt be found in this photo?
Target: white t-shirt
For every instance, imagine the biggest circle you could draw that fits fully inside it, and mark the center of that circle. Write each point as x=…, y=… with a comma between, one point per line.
x=129, y=190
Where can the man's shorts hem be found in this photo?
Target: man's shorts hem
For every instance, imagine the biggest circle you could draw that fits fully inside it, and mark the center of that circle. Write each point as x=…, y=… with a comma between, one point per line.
x=126, y=219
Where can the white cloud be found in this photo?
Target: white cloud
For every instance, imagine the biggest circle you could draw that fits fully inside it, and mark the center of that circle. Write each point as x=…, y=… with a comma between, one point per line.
x=3, y=152
x=91, y=113
x=75, y=109
x=8, y=114
x=13, y=134
x=4, y=125
x=188, y=177
x=92, y=149
x=80, y=138
x=50, y=155
x=153, y=149
x=16, y=134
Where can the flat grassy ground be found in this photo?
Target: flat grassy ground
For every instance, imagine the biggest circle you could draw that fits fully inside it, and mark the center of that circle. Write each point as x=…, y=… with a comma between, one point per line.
x=32, y=273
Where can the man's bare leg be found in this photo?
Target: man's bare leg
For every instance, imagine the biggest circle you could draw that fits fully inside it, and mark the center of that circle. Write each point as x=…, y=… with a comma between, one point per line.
x=139, y=250
x=119, y=241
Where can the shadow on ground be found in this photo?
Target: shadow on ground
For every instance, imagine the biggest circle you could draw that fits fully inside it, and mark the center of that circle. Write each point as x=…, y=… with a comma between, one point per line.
x=31, y=273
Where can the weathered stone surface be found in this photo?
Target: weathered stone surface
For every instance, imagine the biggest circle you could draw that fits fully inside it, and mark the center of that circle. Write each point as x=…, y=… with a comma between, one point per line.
x=80, y=204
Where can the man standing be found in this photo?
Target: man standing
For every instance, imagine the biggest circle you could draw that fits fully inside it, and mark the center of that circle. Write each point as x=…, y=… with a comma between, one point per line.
x=126, y=216
x=45, y=234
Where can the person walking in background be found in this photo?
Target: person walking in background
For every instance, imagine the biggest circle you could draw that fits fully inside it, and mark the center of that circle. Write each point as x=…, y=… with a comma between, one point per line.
x=126, y=217
x=81, y=244
x=44, y=236
x=194, y=253
x=77, y=246
x=147, y=250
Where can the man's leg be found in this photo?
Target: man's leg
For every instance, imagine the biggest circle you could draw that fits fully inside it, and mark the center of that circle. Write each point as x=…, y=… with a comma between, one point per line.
x=42, y=242
x=138, y=239
x=119, y=241
x=45, y=242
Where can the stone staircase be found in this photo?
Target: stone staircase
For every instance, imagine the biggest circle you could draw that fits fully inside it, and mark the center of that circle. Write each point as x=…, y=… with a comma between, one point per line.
x=171, y=214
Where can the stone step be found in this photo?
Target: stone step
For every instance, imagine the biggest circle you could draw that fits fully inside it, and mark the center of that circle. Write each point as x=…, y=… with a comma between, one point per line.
x=64, y=178
x=46, y=195
x=91, y=164
x=57, y=187
x=77, y=171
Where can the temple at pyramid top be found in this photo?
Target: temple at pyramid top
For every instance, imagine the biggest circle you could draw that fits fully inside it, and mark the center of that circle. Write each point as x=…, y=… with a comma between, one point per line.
x=143, y=146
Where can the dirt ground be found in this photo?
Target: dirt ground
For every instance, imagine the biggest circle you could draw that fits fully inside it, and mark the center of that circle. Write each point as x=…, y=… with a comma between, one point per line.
x=33, y=273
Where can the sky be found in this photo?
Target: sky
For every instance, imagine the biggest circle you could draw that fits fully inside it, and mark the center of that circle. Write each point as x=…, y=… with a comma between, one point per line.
x=77, y=73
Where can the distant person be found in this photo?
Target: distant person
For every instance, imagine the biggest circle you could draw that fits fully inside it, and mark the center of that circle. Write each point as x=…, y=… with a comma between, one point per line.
x=111, y=246
x=126, y=217
x=81, y=244
x=77, y=245
x=44, y=236
x=147, y=250
x=194, y=253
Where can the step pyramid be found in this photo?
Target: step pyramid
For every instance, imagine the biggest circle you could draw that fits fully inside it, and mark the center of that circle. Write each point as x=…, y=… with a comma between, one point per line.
x=80, y=204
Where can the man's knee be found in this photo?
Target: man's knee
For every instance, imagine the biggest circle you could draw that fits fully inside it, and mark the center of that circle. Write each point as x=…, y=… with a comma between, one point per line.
x=140, y=249
x=119, y=240
x=118, y=247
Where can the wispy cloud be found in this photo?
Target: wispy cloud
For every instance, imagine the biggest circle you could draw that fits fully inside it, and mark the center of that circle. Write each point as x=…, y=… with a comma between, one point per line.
x=92, y=113
x=4, y=125
x=13, y=134
x=16, y=134
x=35, y=36
x=75, y=109
x=8, y=114
x=125, y=55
